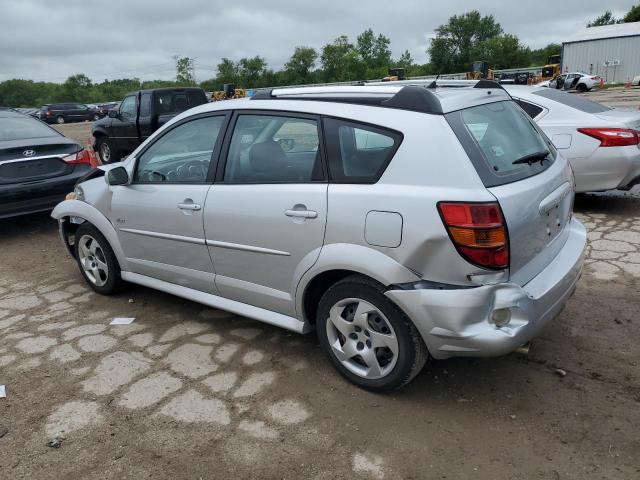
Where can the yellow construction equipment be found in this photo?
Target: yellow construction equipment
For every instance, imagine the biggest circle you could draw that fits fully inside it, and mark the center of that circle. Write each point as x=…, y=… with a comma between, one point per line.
x=229, y=91
x=480, y=71
x=395, y=74
x=550, y=70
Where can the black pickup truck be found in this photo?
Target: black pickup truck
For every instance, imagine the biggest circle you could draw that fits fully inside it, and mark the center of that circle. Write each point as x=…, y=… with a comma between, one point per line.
x=140, y=114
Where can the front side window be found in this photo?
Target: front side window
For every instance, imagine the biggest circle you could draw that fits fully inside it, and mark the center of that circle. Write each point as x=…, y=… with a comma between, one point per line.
x=358, y=153
x=274, y=149
x=128, y=107
x=182, y=155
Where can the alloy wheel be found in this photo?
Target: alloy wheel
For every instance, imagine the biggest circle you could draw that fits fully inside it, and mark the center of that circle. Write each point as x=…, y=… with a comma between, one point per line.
x=93, y=260
x=105, y=152
x=362, y=338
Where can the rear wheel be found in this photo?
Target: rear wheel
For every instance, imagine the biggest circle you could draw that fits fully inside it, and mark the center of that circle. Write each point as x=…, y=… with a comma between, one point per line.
x=96, y=117
x=97, y=262
x=106, y=150
x=581, y=88
x=368, y=338
x=60, y=120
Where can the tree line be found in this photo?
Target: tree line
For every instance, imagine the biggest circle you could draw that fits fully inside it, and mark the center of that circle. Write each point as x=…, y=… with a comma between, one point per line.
x=463, y=39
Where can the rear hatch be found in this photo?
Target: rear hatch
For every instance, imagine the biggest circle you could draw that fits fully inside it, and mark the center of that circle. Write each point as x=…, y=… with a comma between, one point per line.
x=535, y=193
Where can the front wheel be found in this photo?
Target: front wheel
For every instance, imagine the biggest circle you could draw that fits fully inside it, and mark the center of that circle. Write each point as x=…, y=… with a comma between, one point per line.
x=97, y=262
x=369, y=340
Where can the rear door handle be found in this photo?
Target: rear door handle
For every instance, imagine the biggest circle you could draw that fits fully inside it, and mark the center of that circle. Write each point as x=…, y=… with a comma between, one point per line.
x=189, y=206
x=301, y=213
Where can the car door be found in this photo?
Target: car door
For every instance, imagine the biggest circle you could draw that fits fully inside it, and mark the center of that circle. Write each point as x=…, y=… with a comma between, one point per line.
x=159, y=214
x=265, y=216
x=124, y=132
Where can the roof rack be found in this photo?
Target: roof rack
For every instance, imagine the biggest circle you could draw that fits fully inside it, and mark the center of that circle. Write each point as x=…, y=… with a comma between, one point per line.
x=415, y=98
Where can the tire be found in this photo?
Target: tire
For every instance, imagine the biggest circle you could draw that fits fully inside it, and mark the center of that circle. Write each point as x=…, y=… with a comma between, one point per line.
x=350, y=339
x=106, y=150
x=96, y=117
x=96, y=260
x=582, y=88
x=60, y=120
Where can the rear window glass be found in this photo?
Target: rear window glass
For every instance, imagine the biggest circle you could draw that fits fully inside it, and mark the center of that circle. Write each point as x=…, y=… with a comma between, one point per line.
x=18, y=128
x=571, y=100
x=497, y=137
x=176, y=102
x=358, y=153
x=532, y=110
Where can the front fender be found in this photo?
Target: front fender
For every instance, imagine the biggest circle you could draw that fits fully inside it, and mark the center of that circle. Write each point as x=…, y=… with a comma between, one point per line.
x=359, y=259
x=76, y=208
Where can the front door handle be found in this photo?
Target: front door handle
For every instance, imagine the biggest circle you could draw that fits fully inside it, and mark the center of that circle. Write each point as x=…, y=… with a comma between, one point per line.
x=189, y=206
x=301, y=213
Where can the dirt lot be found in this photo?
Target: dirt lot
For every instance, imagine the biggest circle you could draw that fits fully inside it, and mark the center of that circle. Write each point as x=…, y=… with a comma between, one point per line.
x=191, y=392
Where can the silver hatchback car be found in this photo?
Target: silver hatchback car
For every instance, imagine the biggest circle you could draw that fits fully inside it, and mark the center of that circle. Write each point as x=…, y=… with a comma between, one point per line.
x=400, y=222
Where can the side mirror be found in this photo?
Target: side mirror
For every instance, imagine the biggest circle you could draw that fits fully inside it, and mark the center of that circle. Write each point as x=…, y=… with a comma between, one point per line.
x=117, y=176
x=113, y=113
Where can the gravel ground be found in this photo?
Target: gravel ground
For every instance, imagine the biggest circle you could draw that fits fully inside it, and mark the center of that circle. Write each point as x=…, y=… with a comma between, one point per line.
x=192, y=392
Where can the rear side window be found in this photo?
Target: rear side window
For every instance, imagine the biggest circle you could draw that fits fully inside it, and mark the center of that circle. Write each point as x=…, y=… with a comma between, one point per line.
x=358, y=153
x=145, y=105
x=498, y=137
x=532, y=110
x=178, y=101
x=571, y=100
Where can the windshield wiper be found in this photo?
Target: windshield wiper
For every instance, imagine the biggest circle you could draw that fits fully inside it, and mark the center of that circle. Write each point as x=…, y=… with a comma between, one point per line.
x=532, y=157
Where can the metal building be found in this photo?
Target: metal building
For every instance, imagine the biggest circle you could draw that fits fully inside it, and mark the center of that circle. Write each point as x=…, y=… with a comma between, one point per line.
x=611, y=51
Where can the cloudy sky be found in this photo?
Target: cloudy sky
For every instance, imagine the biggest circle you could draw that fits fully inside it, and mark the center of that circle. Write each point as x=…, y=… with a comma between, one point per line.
x=50, y=40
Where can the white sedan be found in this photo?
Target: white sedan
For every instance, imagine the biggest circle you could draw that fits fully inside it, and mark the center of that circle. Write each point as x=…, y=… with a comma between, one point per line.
x=602, y=144
x=579, y=81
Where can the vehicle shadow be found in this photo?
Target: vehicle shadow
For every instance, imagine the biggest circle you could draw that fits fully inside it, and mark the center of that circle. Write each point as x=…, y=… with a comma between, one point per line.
x=35, y=224
x=615, y=202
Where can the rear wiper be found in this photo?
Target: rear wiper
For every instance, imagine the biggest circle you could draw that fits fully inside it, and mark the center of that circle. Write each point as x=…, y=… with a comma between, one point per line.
x=532, y=157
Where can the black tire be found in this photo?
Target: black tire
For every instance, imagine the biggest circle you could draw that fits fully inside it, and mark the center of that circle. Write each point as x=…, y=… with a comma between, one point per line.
x=113, y=281
x=60, y=120
x=582, y=88
x=108, y=153
x=96, y=117
x=412, y=352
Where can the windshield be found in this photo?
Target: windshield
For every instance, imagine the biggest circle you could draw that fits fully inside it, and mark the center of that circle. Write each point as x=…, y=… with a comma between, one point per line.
x=22, y=128
x=571, y=100
x=497, y=137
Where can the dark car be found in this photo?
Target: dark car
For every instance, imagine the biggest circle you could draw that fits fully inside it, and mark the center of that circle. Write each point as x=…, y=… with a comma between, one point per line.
x=103, y=108
x=38, y=165
x=67, y=112
x=139, y=115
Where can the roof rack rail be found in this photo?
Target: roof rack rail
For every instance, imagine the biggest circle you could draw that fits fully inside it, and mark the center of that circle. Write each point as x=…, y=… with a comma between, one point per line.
x=488, y=84
x=415, y=98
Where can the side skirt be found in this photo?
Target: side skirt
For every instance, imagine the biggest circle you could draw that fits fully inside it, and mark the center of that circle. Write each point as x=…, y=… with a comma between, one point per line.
x=257, y=313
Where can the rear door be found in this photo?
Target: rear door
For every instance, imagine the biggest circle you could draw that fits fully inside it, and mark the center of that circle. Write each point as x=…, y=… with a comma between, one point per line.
x=265, y=216
x=536, y=198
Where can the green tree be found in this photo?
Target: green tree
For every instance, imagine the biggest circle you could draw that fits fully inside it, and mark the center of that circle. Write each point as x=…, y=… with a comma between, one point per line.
x=451, y=49
x=77, y=88
x=300, y=64
x=341, y=61
x=632, y=15
x=185, y=71
x=374, y=51
x=606, y=18
x=503, y=51
x=405, y=61
x=251, y=70
x=541, y=56
x=227, y=72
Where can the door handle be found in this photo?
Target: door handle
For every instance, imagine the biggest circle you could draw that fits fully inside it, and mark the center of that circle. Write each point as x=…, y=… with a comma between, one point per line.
x=301, y=213
x=189, y=206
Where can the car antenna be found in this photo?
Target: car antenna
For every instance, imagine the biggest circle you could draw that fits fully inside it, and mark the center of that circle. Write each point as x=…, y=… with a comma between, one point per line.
x=434, y=84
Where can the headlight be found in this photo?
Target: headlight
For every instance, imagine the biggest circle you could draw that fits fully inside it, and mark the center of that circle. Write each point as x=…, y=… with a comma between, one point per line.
x=77, y=194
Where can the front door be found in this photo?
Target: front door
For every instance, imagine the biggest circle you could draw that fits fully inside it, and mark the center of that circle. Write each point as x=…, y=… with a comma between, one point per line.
x=265, y=216
x=159, y=215
x=124, y=131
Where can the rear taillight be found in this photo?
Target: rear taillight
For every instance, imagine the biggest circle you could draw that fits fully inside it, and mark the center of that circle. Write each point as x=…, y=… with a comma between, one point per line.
x=478, y=231
x=612, y=137
x=78, y=158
